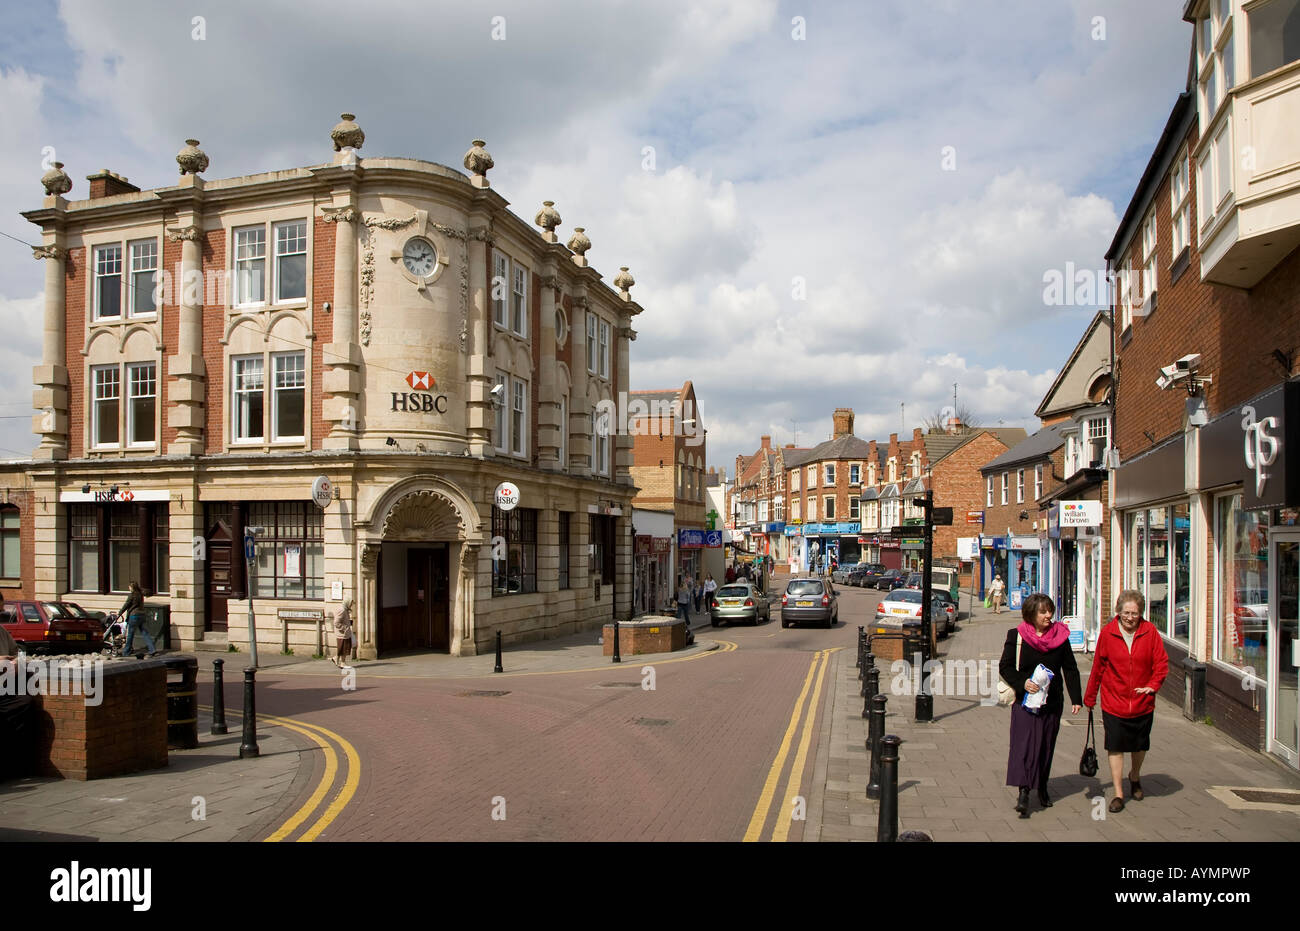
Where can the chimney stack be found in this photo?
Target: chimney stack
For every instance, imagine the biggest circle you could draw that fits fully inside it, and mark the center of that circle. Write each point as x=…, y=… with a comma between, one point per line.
x=843, y=422
x=765, y=442
x=105, y=183
x=955, y=425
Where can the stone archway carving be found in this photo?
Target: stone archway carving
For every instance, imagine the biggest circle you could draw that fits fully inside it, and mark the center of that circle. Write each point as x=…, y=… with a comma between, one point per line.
x=423, y=515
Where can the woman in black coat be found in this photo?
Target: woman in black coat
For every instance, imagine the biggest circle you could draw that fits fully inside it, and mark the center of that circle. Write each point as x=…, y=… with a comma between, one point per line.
x=1033, y=731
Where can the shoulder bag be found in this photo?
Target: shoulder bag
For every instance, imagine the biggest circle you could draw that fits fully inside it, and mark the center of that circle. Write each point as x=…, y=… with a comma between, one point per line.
x=1007, y=694
x=1088, y=762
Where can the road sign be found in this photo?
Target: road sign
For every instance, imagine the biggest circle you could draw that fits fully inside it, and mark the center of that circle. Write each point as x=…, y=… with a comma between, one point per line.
x=248, y=547
x=941, y=517
x=974, y=517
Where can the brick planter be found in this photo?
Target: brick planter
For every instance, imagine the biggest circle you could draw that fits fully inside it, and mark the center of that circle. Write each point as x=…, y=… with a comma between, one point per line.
x=647, y=634
x=125, y=733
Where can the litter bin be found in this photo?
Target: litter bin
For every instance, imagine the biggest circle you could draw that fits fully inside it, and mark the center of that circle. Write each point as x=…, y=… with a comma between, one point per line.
x=158, y=624
x=182, y=702
x=1193, y=689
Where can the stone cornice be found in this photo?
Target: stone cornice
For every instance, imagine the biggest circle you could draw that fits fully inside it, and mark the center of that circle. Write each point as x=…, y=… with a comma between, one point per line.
x=347, y=214
x=185, y=234
x=49, y=252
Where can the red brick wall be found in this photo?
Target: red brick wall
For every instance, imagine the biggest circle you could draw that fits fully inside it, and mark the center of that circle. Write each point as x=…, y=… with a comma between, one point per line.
x=957, y=484
x=76, y=268
x=125, y=733
x=214, y=329
x=22, y=500
x=321, y=324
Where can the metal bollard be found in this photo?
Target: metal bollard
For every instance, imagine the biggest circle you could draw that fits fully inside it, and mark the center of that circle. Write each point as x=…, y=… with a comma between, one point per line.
x=873, y=682
x=870, y=684
x=862, y=636
x=248, y=747
x=218, y=699
x=618, y=657
x=498, y=667
x=887, y=826
x=875, y=732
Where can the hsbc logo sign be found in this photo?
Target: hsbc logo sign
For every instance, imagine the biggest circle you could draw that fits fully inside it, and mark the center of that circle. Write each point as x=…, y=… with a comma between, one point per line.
x=421, y=399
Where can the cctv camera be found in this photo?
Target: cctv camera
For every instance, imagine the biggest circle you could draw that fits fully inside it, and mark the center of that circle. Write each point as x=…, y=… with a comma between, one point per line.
x=498, y=395
x=1189, y=362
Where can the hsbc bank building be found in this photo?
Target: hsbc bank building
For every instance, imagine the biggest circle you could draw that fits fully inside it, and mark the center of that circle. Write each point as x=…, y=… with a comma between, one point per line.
x=382, y=331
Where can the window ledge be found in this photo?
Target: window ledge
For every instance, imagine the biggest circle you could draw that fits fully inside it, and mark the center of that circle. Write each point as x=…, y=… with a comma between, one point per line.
x=1180, y=264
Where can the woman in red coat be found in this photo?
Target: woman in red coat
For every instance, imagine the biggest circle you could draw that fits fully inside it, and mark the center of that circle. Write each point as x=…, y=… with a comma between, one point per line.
x=1128, y=669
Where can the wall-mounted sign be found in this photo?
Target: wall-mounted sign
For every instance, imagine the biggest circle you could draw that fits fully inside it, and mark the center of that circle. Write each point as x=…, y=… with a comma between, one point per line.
x=107, y=495
x=967, y=547
x=1080, y=514
x=322, y=491
x=421, y=400
x=698, y=539
x=507, y=496
x=641, y=544
x=663, y=545
x=300, y=614
x=974, y=517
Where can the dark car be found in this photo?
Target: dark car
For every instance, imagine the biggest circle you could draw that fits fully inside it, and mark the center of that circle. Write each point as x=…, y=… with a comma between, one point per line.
x=855, y=575
x=949, y=606
x=44, y=626
x=913, y=582
x=890, y=579
x=868, y=574
x=807, y=600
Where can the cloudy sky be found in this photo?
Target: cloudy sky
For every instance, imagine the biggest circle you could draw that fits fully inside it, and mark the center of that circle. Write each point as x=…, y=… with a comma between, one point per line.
x=824, y=204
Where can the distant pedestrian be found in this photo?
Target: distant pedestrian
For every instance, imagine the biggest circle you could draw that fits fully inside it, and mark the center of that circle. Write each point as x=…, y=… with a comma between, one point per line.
x=710, y=586
x=684, y=601
x=997, y=592
x=343, y=630
x=133, y=611
x=1128, y=669
x=758, y=579
x=744, y=572
x=731, y=574
x=697, y=593
x=1038, y=641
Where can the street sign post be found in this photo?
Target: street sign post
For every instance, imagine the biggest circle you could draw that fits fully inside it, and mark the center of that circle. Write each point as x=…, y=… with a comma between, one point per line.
x=249, y=554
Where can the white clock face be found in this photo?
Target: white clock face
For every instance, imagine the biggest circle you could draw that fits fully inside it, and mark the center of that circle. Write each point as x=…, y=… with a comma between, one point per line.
x=419, y=257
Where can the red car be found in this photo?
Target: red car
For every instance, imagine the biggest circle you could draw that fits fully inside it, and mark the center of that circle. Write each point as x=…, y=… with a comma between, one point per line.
x=48, y=627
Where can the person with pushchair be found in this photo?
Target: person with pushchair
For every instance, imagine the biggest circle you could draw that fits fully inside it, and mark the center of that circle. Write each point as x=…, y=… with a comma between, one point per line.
x=133, y=611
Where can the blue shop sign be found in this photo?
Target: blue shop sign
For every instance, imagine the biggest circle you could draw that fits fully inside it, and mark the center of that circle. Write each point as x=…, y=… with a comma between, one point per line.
x=698, y=539
x=794, y=530
x=774, y=527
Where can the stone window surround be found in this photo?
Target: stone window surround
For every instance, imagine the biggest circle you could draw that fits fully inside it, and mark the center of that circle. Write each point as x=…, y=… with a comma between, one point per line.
x=265, y=443
x=122, y=447
x=122, y=237
x=268, y=219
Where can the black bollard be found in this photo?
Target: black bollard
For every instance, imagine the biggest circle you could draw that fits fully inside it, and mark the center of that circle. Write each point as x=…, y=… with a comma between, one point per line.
x=870, y=684
x=248, y=747
x=498, y=667
x=218, y=699
x=862, y=638
x=875, y=732
x=887, y=827
x=873, y=682
x=618, y=657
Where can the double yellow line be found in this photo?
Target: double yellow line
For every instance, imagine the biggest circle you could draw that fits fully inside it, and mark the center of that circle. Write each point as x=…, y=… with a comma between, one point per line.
x=326, y=740
x=801, y=719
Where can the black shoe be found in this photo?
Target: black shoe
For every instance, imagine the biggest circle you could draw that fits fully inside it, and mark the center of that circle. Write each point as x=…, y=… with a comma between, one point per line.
x=1022, y=802
x=1043, y=798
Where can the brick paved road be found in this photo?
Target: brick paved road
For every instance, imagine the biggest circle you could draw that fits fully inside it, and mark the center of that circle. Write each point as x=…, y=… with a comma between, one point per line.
x=576, y=756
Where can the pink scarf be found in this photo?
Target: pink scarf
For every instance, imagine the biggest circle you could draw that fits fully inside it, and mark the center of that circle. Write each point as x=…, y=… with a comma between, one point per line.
x=1052, y=638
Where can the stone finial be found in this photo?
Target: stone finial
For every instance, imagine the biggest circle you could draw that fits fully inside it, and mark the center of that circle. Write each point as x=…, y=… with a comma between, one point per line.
x=623, y=281
x=579, y=244
x=192, y=159
x=56, y=180
x=347, y=134
x=548, y=218
x=477, y=163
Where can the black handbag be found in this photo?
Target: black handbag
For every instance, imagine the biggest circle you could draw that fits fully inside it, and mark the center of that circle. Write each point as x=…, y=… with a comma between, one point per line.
x=1088, y=762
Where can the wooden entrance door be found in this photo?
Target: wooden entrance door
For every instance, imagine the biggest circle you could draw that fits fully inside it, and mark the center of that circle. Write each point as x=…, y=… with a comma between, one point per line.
x=217, y=577
x=427, y=622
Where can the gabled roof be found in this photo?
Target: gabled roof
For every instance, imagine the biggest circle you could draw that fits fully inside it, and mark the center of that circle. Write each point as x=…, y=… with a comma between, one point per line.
x=844, y=447
x=1045, y=406
x=1007, y=436
x=1042, y=444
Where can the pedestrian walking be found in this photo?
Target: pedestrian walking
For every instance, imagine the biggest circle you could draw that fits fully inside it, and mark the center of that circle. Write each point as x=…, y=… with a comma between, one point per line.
x=697, y=593
x=710, y=586
x=996, y=592
x=1037, y=641
x=133, y=611
x=1128, y=668
x=343, y=631
x=684, y=601
x=731, y=574
x=758, y=579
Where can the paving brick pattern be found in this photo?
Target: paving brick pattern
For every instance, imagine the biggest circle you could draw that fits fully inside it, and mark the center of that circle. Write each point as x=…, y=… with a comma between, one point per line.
x=952, y=771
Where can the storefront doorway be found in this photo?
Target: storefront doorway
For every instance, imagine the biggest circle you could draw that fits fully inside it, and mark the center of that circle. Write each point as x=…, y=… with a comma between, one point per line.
x=415, y=607
x=1283, y=695
x=217, y=578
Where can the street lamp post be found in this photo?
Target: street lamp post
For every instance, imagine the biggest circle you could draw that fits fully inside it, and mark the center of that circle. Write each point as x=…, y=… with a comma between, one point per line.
x=924, y=698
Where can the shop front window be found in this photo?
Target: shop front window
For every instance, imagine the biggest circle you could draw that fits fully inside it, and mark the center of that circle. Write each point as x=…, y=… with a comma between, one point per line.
x=1241, y=602
x=1160, y=566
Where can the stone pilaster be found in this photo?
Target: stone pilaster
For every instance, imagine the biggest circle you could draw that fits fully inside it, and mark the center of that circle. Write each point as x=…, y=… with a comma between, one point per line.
x=367, y=603
x=51, y=377
x=623, y=438
x=548, y=395
x=342, y=357
x=480, y=415
x=581, y=404
x=185, y=411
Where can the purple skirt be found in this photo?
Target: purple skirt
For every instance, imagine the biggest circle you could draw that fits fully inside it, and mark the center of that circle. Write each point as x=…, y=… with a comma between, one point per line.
x=1033, y=741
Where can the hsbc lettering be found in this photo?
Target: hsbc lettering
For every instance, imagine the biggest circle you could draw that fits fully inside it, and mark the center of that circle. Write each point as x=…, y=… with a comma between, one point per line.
x=418, y=402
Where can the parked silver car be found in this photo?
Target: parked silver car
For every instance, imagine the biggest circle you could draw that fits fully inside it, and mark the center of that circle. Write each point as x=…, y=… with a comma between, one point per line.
x=739, y=601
